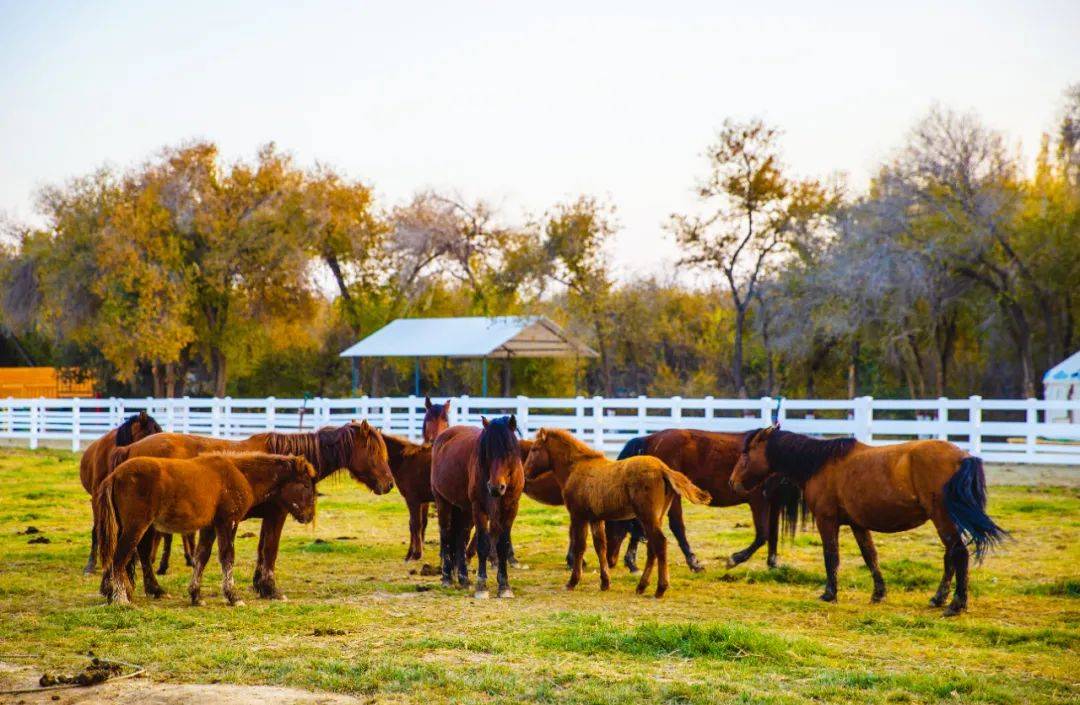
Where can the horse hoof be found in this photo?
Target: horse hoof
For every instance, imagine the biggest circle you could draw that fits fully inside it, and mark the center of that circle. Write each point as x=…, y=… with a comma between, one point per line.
x=772, y=564
x=953, y=610
x=875, y=598
x=157, y=595
x=828, y=597
x=506, y=593
x=936, y=601
x=162, y=571
x=697, y=568
x=447, y=583
x=605, y=586
x=235, y=603
x=570, y=586
x=640, y=589
x=198, y=603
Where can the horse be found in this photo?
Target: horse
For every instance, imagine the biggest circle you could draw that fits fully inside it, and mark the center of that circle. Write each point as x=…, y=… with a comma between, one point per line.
x=889, y=488
x=357, y=447
x=436, y=419
x=410, y=464
x=210, y=493
x=94, y=463
x=708, y=459
x=596, y=489
x=477, y=478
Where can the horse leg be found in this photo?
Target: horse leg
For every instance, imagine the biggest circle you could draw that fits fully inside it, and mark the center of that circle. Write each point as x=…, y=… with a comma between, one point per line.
x=446, y=542
x=655, y=536
x=678, y=528
x=759, y=512
x=615, y=533
x=465, y=521
x=415, y=536
x=773, y=532
x=269, y=540
x=511, y=559
x=483, y=552
x=198, y=564
x=92, y=560
x=599, y=539
x=166, y=552
x=650, y=561
x=188, y=542
x=636, y=534
x=869, y=556
x=829, y=530
x=578, y=528
x=116, y=580
x=423, y=527
x=956, y=562
x=147, y=547
x=505, y=550
x=226, y=534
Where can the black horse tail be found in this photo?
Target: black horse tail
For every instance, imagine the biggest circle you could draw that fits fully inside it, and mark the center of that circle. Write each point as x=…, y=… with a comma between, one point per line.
x=783, y=493
x=634, y=446
x=965, y=501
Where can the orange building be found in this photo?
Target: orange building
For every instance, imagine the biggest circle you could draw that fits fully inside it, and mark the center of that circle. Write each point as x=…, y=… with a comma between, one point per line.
x=48, y=382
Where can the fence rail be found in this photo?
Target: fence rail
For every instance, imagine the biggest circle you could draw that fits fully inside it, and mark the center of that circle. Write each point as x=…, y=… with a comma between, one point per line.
x=999, y=430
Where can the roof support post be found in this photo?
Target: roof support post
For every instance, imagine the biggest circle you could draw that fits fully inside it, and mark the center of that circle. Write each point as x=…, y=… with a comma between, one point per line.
x=355, y=375
x=416, y=376
x=483, y=376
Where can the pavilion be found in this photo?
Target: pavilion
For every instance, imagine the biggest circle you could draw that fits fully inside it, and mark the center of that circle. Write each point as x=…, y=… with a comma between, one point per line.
x=499, y=337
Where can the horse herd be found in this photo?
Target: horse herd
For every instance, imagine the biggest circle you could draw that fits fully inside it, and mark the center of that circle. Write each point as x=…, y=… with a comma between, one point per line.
x=146, y=485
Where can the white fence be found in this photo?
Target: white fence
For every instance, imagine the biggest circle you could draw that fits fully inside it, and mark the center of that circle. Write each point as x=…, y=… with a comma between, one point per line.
x=999, y=430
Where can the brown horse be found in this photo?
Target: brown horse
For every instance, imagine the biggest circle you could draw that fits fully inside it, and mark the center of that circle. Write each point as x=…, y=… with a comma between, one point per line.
x=410, y=464
x=436, y=419
x=357, y=447
x=94, y=463
x=708, y=458
x=886, y=488
x=477, y=478
x=596, y=489
x=210, y=494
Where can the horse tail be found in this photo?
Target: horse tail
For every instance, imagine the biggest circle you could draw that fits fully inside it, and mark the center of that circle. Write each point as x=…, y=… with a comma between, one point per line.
x=965, y=502
x=783, y=493
x=118, y=456
x=634, y=446
x=683, y=487
x=108, y=527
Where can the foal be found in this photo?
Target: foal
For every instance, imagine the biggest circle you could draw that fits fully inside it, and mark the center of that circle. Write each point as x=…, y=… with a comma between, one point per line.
x=889, y=488
x=210, y=494
x=410, y=464
x=596, y=489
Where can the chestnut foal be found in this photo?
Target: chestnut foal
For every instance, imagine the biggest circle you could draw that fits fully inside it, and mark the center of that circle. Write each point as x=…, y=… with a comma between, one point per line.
x=596, y=489
x=210, y=493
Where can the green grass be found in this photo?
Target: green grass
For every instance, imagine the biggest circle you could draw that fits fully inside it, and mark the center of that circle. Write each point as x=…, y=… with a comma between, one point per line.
x=360, y=621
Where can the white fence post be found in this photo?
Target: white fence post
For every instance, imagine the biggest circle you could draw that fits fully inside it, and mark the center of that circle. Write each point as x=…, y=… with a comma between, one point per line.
x=642, y=414
x=1031, y=439
x=75, y=426
x=708, y=412
x=864, y=418
x=187, y=415
x=523, y=414
x=975, y=425
x=271, y=413
x=386, y=415
x=411, y=433
x=676, y=412
x=33, y=424
x=10, y=415
x=943, y=418
x=170, y=415
x=766, y=411
x=598, y=422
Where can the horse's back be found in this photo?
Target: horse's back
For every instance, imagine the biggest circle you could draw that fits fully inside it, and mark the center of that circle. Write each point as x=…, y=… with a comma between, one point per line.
x=706, y=457
x=450, y=456
x=177, y=494
x=610, y=489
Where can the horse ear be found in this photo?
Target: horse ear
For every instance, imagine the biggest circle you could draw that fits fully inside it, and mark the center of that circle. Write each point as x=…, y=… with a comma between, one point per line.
x=427, y=403
x=513, y=422
x=541, y=434
x=143, y=416
x=484, y=421
x=446, y=408
x=365, y=427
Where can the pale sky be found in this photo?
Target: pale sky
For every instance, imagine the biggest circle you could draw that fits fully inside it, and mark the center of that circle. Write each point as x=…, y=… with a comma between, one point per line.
x=523, y=104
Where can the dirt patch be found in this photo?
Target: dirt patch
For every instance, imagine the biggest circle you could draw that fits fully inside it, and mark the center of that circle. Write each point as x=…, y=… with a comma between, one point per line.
x=140, y=691
x=1032, y=475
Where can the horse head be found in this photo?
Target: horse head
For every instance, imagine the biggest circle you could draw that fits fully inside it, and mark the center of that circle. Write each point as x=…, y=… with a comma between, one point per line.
x=135, y=428
x=753, y=464
x=499, y=454
x=436, y=419
x=298, y=489
x=368, y=461
x=538, y=461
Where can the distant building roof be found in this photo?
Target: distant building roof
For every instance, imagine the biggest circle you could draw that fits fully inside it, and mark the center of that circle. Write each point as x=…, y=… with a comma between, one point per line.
x=497, y=337
x=1067, y=369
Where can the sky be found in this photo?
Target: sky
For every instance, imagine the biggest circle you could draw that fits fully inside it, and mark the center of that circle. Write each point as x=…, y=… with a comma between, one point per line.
x=522, y=104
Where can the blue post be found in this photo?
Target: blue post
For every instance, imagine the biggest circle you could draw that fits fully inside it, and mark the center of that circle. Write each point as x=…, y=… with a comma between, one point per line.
x=483, y=378
x=355, y=375
x=416, y=376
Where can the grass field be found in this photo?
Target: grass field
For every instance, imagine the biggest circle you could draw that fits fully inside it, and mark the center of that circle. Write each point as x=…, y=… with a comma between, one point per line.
x=359, y=621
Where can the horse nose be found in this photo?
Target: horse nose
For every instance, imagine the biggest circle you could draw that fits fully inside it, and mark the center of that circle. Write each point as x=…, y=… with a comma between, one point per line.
x=497, y=490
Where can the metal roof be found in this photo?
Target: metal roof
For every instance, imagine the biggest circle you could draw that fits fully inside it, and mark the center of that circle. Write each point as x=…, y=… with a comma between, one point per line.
x=1069, y=368
x=496, y=337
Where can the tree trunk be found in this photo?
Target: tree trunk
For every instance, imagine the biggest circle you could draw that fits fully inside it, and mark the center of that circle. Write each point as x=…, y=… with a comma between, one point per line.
x=853, y=370
x=737, y=353
x=218, y=373
x=157, y=377
x=170, y=380
x=351, y=313
x=506, y=377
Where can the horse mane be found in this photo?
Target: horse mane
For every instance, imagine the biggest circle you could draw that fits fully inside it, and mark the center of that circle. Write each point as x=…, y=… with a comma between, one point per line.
x=125, y=434
x=575, y=443
x=328, y=449
x=800, y=457
x=401, y=446
x=497, y=442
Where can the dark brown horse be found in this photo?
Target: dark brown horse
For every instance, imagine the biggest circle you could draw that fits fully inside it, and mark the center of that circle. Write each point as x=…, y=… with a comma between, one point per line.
x=410, y=464
x=708, y=459
x=596, y=490
x=477, y=478
x=356, y=447
x=210, y=494
x=885, y=488
x=94, y=463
